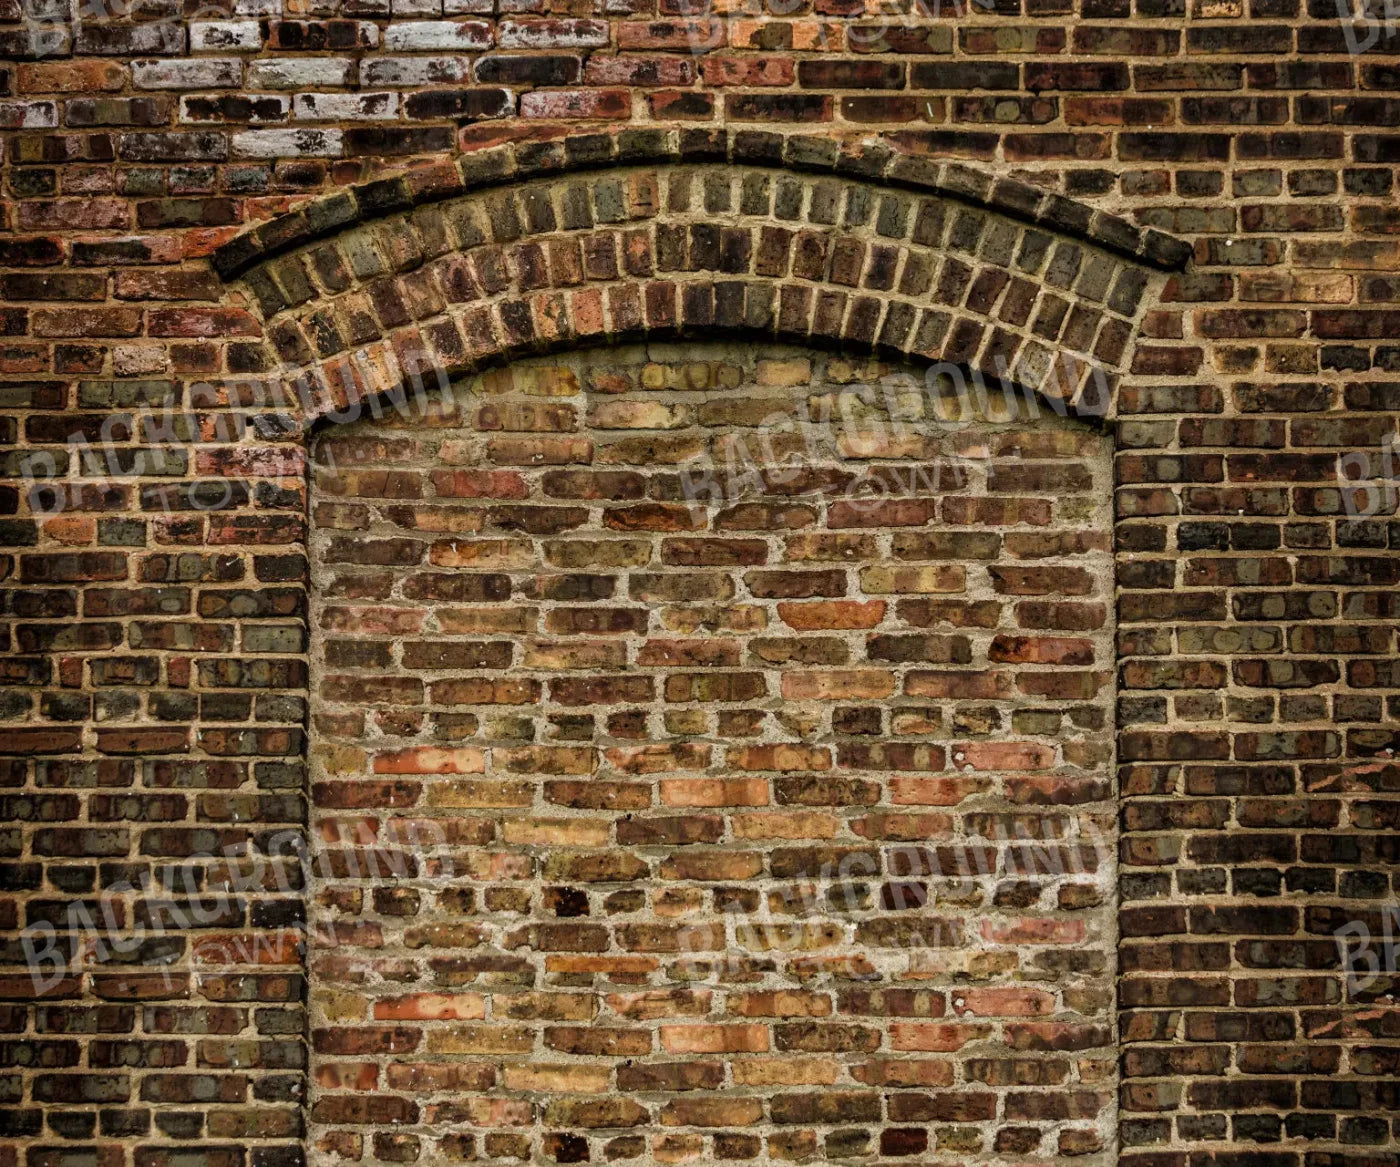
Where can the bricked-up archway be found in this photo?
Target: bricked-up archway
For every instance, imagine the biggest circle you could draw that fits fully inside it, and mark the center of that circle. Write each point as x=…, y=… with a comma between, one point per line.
x=604, y=240
x=338, y=300
x=766, y=819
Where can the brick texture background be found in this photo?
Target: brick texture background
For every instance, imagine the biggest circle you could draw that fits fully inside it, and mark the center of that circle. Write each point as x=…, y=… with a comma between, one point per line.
x=157, y=671
x=764, y=829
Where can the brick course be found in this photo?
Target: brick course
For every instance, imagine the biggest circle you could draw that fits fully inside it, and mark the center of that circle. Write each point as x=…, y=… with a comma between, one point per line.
x=156, y=706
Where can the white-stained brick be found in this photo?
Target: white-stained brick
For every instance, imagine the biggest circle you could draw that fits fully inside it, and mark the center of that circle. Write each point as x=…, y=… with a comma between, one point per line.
x=554, y=34
x=157, y=37
x=132, y=360
x=287, y=144
x=334, y=107
x=28, y=115
x=415, y=71
x=299, y=72
x=206, y=74
x=438, y=34
x=225, y=36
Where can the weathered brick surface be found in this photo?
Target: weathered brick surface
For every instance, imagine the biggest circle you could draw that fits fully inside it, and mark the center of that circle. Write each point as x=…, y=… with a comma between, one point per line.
x=452, y=285
x=157, y=675
x=768, y=825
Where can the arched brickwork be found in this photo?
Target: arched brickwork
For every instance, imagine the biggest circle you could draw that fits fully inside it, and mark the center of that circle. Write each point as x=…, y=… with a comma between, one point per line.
x=516, y=250
x=528, y=248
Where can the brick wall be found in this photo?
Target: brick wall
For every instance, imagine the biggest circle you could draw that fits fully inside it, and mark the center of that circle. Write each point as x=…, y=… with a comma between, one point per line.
x=157, y=678
x=771, y=826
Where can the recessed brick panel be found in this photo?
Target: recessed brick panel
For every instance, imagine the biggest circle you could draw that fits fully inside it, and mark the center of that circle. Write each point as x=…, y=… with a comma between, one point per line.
x=711, y=757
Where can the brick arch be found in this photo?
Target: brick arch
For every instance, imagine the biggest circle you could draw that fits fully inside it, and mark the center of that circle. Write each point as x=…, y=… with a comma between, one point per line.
x=529, y=248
